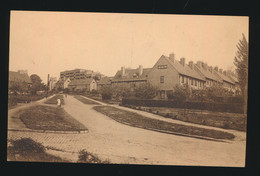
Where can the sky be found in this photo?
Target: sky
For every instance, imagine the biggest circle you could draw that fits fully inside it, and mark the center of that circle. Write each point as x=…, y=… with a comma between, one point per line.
x=45, y=42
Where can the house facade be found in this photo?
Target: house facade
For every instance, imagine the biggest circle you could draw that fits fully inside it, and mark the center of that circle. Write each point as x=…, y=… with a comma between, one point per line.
x=130, y=78
x=169, y=72
x=87, y=84
x=104, y=81
x=19, y=77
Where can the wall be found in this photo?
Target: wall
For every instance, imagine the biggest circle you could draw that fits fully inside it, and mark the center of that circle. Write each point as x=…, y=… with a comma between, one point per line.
x=171, y=76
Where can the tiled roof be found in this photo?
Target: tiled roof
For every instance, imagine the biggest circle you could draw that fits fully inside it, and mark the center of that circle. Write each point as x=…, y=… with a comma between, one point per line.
x=184, y=70
x=130, y=73
x=80, y=81
x=207, y=74
x=224, y=77
x=18, y=77
x=105, y=80
x=233, y=78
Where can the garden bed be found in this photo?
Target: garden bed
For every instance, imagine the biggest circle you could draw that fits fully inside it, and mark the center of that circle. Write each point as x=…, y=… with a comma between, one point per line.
x=216, y=119
x=85, y=101
x=49, y=118
x=137, y=120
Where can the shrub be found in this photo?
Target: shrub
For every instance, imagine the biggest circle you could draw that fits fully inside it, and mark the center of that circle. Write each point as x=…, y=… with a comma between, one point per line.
x=24, y=146
x=87, y=157
x=146, y=91
x=106, y=93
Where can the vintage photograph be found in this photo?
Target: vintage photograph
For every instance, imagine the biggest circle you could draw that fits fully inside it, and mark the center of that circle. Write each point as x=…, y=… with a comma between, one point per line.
x=128, y=88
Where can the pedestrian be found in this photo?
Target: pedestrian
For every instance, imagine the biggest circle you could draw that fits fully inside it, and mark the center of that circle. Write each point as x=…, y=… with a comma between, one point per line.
x=58, y=103
x=65, y=95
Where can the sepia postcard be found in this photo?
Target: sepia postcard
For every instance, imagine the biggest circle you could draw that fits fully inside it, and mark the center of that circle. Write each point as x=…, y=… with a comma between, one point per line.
x=126, y=88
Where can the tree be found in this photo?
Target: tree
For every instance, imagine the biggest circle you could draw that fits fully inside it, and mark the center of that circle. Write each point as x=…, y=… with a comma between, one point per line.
x=241, y=63
x=37, y=84
x=181, y=93
x=146, y=91
x=106, y=92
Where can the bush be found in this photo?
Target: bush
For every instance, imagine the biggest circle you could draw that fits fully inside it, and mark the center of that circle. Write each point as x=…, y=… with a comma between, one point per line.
x=24, y=146
x=106, y=93
x=146, y=91
x=87, y=157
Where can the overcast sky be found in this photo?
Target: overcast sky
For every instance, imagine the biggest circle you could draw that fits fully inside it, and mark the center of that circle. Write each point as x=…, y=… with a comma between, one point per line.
x=50, y=42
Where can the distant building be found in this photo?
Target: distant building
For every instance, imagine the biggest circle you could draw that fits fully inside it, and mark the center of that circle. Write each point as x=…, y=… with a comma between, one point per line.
x=52, y=82
x=130, y=77
x=76, y=74
x=20, y=77
x=104, y=81
x=87, y=84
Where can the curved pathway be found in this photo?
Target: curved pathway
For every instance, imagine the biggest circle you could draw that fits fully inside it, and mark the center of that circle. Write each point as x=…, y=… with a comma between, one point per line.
x=125, y=144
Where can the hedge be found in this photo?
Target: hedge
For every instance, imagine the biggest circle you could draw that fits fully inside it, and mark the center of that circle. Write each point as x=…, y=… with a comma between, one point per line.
x=219, y=107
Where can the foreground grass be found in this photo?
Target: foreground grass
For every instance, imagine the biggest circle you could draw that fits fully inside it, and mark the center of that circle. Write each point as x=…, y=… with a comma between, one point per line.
x=54, y=99
x=25, y=149
x=209, y=118
x=85, y=101
x=49, y=118
x=137, y=120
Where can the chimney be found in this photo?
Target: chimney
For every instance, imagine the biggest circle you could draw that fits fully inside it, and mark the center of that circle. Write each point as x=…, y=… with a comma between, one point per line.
x=182, y=61
x=171, y=57
x=199, y=64
x=211, y=69
x=225, y=73
x=140, y=70
x=229, y=73
x=221, y=70
x=216, y=68
x=191, y=65
x=122, y=71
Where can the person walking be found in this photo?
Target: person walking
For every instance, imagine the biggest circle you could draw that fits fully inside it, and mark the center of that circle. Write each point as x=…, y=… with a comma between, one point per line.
x=58, y=103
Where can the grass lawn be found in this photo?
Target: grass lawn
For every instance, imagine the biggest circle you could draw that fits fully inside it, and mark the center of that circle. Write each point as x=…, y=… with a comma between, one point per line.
x=85, y=101
x=53, y=100
x=137, y=120
x=217, y=119
x=26, y=149
x=49, y=118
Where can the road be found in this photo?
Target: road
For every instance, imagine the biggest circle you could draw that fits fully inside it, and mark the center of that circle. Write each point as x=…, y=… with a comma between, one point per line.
x=120, y=143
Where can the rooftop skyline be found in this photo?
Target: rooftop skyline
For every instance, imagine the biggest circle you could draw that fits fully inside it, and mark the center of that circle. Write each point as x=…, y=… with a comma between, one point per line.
x=50, y=42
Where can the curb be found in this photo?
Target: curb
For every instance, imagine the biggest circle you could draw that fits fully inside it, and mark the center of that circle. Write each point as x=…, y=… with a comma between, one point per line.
x=49, y=131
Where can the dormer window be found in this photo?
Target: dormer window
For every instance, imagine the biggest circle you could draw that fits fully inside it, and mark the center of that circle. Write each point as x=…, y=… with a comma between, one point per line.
x=162, y=66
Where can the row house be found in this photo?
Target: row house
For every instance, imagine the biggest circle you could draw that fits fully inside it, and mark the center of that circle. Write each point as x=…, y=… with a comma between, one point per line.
x=103, y=81
x=87, y=84
x=19, y=77
x=168, y=72
x=130, y=78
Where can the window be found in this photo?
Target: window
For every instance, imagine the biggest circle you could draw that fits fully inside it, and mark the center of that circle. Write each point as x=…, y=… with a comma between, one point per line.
x=195, y=82
x=132, y=85
x=161, y=79
x=187, y=80
x=162, y=66
x=191, y=81
x=182, y=79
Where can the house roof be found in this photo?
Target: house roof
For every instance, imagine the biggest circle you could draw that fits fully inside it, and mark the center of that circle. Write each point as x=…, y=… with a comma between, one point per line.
x=233, y=78
x=224, y=77
x=75, y=82
x=207, y=74
x=19, y=77
x=105, y=80
x=131, y=75
x=184, y=70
